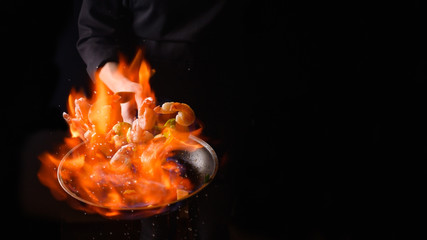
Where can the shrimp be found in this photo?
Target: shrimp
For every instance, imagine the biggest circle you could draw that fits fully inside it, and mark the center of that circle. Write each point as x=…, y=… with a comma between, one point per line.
x=185, y=115
x=136, y=134
x=146, y=116
x=139, y=132
x=122, y=159
x=147, y=102
x=79, y=123
x=82, y=107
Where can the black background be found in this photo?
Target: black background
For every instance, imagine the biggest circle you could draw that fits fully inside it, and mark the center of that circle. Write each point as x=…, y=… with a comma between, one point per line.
x=342, y=88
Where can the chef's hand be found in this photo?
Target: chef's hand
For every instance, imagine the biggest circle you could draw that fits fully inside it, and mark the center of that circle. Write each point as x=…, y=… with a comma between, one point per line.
x=116, y=82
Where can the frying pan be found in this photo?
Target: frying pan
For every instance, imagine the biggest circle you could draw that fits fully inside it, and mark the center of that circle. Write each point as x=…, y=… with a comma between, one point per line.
x=200, y=166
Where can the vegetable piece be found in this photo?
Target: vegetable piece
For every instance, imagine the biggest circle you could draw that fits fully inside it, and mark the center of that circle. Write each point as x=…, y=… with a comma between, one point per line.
x=120, y=131
x=121, y=128
x=171, y=123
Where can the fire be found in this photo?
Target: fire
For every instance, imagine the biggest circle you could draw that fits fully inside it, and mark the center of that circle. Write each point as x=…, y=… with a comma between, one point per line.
x=109, y=165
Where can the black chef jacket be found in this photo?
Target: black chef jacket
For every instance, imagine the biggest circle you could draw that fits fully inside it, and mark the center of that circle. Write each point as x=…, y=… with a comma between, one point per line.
x=169, y=30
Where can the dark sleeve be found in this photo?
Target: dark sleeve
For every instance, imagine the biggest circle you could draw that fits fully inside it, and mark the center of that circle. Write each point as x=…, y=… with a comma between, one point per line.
x=103, y=25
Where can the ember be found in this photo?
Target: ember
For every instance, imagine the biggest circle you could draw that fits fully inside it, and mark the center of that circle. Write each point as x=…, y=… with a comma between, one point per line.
x=117, y=165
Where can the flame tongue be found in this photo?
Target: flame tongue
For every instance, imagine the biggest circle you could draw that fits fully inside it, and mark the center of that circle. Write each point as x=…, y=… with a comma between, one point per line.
x=122, y=165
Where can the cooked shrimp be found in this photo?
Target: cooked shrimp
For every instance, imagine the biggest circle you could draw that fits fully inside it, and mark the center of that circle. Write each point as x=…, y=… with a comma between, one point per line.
x=122, y=159
x=147, y=103
x=147, y=118
x=77, y=126
x=185, y=115
x=82, y=107
x=137, y=134
x=79, y=122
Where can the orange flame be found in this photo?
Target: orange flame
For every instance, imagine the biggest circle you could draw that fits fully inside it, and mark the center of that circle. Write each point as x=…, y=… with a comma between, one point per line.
x=109, y=170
